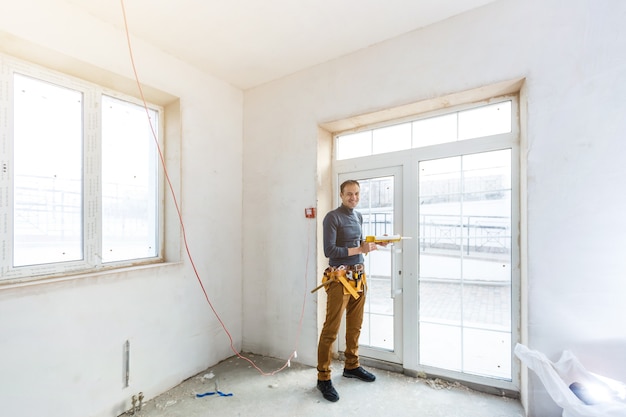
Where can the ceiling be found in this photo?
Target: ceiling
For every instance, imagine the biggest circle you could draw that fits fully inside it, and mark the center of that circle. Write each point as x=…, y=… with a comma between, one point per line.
x=251, y=42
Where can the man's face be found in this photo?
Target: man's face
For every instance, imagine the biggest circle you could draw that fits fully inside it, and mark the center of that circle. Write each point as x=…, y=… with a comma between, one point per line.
x=350, y=195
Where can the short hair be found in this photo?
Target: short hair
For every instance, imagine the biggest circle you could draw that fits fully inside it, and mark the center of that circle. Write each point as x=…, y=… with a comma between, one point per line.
x=348, y=182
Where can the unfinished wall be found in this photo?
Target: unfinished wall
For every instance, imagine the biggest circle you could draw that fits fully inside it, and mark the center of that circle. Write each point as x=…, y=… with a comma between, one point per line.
x=62, y=343
x=570, y=53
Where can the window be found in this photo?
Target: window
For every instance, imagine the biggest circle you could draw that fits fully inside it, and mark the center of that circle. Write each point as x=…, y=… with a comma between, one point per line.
x=129, y=182
x=80, y=181
x=487, y=120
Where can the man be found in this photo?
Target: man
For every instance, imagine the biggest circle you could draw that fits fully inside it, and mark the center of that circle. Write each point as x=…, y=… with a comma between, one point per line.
x=344, y=246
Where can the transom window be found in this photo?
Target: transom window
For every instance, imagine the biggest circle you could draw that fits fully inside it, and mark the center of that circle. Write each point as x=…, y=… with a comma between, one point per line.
x=491, y=119
x=80, y=184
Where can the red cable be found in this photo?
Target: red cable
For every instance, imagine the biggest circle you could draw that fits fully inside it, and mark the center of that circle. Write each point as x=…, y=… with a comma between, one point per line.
x=182, y=225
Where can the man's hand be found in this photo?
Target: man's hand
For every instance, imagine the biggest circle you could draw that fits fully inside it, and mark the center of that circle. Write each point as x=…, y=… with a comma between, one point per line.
x=367, y=247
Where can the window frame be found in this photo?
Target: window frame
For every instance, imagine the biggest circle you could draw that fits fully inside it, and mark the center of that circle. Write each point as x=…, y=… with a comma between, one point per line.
x=393, y=122
x=91, y=186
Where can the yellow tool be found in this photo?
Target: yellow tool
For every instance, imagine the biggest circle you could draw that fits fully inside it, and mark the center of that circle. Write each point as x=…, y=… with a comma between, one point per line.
x=385, y=238
x=319, y=286
x=348, y=287
x=332, y=274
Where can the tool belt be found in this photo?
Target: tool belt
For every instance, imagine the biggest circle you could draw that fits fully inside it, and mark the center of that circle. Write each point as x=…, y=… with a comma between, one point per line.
x=352, y=277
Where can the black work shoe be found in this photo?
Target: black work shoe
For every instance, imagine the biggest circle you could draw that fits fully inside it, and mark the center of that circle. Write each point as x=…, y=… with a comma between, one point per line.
x=328, y=391
x=359, y=373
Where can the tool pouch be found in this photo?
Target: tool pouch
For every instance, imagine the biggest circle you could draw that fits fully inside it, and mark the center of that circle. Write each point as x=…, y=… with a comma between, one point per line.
x=328, y=276
x=357, y=281
x=354, y=282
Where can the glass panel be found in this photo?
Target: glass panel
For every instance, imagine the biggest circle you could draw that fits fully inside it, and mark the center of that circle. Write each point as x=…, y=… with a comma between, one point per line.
x=487, y=353
x=440, y=346
x=377, y=330
x=129, y=178
x=465, y=263
x=354, y=145
x=440, y=301
x=485, y=121
x=376, y=206
x=440, y=292
x=47, y=210
x=392, y=138
x=435, y=130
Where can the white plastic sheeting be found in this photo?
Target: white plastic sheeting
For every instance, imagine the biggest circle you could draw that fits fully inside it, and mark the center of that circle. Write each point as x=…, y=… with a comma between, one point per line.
x=602, y=397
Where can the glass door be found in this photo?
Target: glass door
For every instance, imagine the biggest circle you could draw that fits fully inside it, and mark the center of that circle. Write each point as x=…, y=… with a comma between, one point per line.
x=450, y=181
x=465, y=258
x=380, y=205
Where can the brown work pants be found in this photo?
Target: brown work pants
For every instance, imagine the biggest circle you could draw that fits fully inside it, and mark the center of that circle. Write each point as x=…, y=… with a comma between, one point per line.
x=337, y=303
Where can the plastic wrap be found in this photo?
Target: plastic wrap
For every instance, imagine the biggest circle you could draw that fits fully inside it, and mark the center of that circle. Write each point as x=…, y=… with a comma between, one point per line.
x=578, y=392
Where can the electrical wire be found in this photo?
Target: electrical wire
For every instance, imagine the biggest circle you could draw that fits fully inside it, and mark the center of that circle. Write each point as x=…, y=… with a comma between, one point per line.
x=184, y=234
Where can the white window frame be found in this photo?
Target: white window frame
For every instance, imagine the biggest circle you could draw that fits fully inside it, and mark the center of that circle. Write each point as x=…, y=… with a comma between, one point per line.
x=92, y=188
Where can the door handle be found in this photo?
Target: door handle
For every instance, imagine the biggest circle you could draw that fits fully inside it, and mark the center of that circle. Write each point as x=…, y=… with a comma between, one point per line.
x=395, y=276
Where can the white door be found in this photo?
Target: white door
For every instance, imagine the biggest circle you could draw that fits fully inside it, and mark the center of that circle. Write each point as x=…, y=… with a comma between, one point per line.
x=455, y=287
x=465, y=264
x=381, y=207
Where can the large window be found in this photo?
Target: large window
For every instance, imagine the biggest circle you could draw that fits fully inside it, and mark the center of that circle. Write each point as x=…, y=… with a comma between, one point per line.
x=80, y=181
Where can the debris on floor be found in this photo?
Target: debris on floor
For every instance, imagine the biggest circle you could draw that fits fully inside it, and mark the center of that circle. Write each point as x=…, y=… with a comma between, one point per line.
x=163, y=406
x=438, y=383
x=210, y=375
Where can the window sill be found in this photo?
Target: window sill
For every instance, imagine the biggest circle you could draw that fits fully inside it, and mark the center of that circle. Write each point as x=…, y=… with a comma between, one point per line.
x=100, y=274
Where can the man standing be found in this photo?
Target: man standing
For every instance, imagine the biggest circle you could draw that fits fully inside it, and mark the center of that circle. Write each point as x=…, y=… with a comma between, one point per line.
x=344, y=246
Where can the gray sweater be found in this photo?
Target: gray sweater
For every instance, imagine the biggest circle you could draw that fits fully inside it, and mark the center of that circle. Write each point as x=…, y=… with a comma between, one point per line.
x=342, y=230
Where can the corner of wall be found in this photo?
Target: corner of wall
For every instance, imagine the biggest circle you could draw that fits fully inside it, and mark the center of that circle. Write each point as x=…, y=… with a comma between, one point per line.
x=324, y=187
x=173, y=133
x=523, y=133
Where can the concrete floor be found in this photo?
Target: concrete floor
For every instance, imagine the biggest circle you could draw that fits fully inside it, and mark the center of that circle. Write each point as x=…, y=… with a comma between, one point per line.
x=292, y=392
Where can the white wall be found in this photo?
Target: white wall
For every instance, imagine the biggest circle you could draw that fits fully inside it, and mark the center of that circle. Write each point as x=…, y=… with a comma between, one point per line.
x=61, y=343
x=571, y=54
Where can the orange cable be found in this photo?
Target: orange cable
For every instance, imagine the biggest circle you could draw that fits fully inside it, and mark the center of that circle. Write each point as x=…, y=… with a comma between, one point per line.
x=182, y=225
